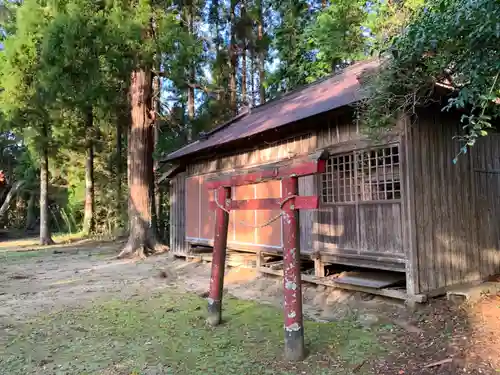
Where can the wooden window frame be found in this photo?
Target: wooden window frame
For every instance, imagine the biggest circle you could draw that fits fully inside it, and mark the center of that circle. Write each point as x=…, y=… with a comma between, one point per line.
x=365, y=176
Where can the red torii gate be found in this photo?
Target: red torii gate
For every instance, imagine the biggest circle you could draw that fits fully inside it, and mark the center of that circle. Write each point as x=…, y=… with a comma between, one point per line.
x=289, y=204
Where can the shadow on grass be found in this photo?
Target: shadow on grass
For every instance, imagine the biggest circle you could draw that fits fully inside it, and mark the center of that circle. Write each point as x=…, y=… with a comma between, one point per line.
x=168, y=332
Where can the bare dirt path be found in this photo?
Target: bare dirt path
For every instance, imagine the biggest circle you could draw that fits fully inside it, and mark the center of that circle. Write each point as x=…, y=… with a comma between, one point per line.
x=36, y=281
x=47, y=280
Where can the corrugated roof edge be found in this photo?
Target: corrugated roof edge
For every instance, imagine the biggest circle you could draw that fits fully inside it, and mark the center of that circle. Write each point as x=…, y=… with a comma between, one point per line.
x=268, y=103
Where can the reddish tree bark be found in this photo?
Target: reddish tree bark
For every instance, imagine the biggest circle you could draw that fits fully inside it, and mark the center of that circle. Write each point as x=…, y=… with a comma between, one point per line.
x=142, y=236
x=191, y=76
x=156, y=209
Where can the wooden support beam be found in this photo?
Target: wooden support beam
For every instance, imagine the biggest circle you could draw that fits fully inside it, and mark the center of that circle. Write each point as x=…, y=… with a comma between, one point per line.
x=319, y=267
x=300, y=203
x=385, y=292
x=294, y=325
x=289, y=204
x=218, y=260
x=309, y=165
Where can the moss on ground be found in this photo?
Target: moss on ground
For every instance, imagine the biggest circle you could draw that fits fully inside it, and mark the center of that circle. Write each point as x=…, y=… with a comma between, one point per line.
x=167, y=334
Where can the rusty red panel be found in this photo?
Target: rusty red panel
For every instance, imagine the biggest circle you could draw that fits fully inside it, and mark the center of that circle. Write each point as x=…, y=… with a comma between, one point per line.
x=335, y=92
x=207, y=216
x=193, y=207
x=271, y=234
x=244, y=220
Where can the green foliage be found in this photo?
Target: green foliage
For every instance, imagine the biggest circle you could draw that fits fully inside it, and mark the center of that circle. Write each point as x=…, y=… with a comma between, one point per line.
x=337, y=36
x=295, y=57
x=387, y=20
x=22, y=99
x=64, y=59
x=448, y=42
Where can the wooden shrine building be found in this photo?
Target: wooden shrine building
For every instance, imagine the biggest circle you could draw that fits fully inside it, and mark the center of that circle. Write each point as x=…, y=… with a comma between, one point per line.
x=396, y=207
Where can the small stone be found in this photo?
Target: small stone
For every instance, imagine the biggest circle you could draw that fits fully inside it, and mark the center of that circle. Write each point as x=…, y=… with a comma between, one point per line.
x=368, y=320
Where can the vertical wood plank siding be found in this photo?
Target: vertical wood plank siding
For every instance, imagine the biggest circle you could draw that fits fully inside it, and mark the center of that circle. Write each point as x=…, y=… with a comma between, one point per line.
x=368, y=234
x=307, y=218
x=358, y=233
x=178, y=244
x=264, y=154
x=486, y=170
x=444, y=228
x=443, y=197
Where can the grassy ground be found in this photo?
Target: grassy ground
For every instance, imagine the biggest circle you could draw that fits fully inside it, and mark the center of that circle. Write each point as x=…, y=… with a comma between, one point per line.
x=74, y=310
x=167, y=334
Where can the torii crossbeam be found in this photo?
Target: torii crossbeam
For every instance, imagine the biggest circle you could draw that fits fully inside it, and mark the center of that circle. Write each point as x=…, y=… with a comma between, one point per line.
x=289, y=204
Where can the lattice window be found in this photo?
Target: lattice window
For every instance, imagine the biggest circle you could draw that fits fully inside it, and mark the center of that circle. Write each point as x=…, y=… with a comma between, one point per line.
x=339, y=179
x=366, y=175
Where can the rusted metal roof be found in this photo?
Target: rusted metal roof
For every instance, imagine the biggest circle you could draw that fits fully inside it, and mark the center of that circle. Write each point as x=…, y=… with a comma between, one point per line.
x=337, y=91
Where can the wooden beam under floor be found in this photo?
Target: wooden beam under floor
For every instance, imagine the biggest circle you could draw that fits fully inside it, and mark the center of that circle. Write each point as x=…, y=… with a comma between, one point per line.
x=391, y=293
x=316, y=279
x=319, y=268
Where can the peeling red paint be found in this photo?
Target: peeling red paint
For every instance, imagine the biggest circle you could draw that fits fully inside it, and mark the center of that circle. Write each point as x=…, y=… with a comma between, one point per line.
x=291, y=261
x=219, y=257
x=289, y=203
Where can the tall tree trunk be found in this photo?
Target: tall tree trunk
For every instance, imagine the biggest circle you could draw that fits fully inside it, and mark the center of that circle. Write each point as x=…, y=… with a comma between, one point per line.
x=30, y=212
x=244, y=68
x=260, y=38
x=121, y=120
x=129, y=158
x=14, y=190
x=45, y=236
x=189, y=133
x=142, y=237
x=233, y=59
x=156, y=202
x=217, y=38
x=252, y=76
x=244, y=97
x=191, y=77
x=158, y=212
x=88, y=218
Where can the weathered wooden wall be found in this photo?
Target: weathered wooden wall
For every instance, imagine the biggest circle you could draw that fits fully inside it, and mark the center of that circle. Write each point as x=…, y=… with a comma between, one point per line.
x=266, y=153
x=367, y=234
x=444, y=218
x=178, y=243
x=443, y=227
x=360, y=232
x=486, y=170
